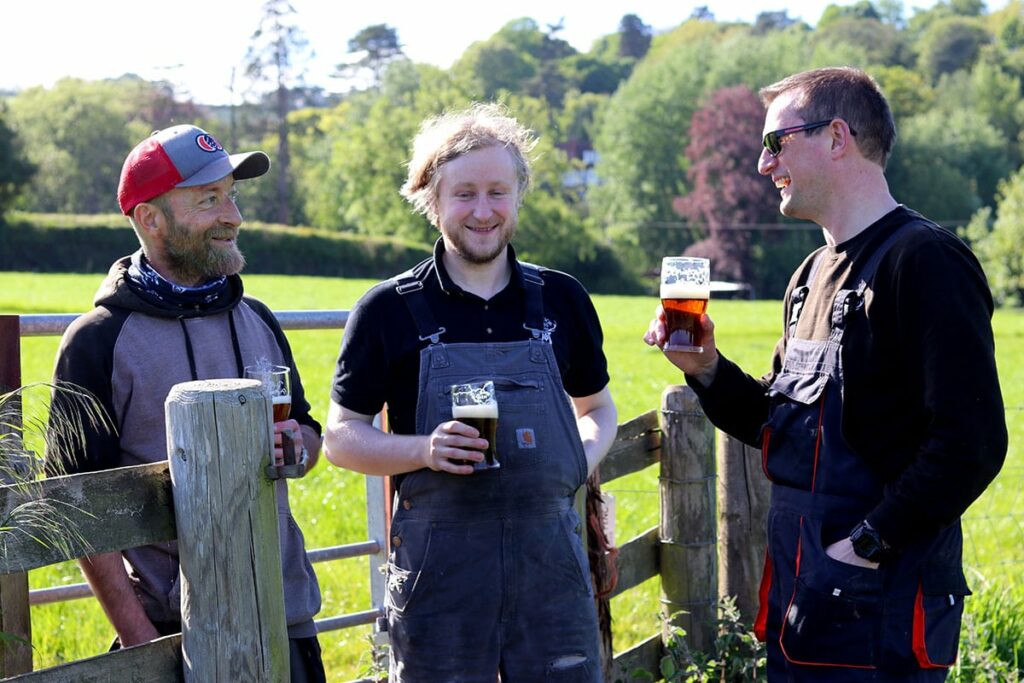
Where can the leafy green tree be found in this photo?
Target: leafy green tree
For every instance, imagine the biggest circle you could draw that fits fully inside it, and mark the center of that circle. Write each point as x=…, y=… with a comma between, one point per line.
x=755, y=60
x=15, y=169
x=951, y=44
x=907, y=90
x=997, y=242
x=634, y=37
x=488, y=68
x=379, y=45
x=77, y=134
x=967, y=8
x=993, y=93
x=277, y=50
x=947, y=165
x=772, y=21
x=879, y=43
x=641, y=147
x=591, y=73
x=859, y=10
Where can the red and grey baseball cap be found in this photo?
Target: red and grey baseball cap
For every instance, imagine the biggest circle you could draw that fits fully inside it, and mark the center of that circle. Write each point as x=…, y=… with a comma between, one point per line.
x=181, y=156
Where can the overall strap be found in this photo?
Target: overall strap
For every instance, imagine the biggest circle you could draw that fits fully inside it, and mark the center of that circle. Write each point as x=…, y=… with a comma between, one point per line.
x=534, y=302
x=798, y=296
x=411, y=290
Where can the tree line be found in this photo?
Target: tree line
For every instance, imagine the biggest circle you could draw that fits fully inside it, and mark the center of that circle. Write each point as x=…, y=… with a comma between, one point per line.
x=648, y=142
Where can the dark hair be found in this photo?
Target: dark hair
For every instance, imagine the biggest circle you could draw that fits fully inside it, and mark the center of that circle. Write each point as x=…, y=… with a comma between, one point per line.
x=846, y=93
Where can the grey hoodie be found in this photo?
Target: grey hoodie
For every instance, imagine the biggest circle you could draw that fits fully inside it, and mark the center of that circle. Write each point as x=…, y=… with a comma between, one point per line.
x=129, y=352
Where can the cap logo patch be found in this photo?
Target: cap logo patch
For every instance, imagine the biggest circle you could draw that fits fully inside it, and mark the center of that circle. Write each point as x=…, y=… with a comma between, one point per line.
x=208, y=143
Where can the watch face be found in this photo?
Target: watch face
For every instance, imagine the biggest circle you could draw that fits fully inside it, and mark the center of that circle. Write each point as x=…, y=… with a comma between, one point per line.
x=866, y=544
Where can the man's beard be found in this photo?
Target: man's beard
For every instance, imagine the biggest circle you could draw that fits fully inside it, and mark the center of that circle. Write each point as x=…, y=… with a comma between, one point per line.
x=461, y=246
x=192, y=258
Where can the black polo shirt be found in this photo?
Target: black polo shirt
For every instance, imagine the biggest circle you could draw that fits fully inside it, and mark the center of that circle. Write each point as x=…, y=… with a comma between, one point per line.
x=380, y=352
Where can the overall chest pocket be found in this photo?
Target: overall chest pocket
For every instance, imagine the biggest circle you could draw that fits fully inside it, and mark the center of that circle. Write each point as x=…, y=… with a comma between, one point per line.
x=526, y=427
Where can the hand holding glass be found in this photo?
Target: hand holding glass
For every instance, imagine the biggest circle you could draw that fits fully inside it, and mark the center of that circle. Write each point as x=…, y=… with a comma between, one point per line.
x=476, y=404
x=685, y=288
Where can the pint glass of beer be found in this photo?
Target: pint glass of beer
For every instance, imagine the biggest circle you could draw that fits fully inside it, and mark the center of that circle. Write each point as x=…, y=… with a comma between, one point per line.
x=277, y=380
x=685, y=288
x=476, y=404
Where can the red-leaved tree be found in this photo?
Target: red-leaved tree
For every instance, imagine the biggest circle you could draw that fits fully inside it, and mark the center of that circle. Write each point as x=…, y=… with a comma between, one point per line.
x=728, y=194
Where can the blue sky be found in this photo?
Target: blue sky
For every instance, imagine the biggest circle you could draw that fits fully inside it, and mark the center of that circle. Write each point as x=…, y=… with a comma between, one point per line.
x=196, y=43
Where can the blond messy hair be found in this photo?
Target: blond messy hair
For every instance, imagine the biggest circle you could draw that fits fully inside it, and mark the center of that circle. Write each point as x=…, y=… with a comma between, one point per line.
x=453, y=134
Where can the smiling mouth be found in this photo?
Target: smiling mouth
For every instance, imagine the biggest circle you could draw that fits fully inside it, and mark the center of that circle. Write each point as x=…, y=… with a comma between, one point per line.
x=782, y=182
x=481, y=228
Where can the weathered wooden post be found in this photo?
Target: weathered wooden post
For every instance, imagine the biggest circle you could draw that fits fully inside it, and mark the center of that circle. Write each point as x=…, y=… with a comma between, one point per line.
x=15, y=653
x=232, y=595
x=688, y=529
x=744, y=495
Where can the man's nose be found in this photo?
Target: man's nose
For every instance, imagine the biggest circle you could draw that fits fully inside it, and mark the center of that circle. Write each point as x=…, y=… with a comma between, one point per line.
x=482, y=208
x=231, y=215
x=765, y=162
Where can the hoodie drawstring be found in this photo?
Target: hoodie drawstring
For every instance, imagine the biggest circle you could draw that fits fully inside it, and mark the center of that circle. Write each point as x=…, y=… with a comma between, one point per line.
x=239, y=365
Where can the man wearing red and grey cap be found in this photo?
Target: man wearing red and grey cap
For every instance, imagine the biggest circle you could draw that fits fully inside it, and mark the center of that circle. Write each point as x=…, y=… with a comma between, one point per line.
x=172, y=312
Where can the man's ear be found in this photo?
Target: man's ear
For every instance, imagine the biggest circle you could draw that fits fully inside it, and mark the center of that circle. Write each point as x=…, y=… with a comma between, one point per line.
x=842, y=138
x=149, y=217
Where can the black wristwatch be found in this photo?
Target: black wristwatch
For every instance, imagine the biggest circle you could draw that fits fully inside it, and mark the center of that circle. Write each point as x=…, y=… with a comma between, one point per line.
x=869, y=544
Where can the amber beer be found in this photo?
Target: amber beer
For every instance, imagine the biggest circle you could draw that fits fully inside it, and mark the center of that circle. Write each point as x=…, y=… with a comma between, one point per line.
x=282, y=408
x=684, y=304
x=483, y=418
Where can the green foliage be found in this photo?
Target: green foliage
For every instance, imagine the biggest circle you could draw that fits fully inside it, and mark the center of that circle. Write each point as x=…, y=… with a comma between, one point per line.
x=992, y=637
x=951, y=44
x=78, y=133
x=378, y=45
x=863, y=9
x=954, y=75
x=878, y=43
x=29, y=420
x=998, y=242
x=15, y=169
x=641, y=145
x=959, y=151
x=738, y=656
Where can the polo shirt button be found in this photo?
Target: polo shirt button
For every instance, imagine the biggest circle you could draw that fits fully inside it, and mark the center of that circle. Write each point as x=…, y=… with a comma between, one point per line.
x=490, y=331
x=407, y=504
x=396, y=541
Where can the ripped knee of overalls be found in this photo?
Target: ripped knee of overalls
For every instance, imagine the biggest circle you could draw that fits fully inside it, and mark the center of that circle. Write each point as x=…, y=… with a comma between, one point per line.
x=566, y=662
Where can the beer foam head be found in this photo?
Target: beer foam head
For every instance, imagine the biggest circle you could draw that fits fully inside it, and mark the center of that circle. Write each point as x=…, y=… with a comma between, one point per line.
x=685, y=290
x=477, y=410
x=282, y=399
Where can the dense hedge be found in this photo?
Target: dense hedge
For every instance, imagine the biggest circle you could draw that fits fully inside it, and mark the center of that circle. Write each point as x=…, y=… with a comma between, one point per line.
x=90, y=243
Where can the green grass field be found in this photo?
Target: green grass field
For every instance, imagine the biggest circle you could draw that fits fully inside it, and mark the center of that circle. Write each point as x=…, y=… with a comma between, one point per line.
x=329, y=504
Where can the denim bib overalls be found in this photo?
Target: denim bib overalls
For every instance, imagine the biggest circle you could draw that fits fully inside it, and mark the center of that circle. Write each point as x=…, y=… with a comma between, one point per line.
x=487, y=571
x=826, y=620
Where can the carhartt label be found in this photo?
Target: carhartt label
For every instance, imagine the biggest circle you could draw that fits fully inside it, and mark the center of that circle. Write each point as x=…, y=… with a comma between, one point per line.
x=525, y=438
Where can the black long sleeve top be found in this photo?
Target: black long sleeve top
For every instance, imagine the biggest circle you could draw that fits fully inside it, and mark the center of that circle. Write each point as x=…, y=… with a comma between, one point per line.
x=922, y=403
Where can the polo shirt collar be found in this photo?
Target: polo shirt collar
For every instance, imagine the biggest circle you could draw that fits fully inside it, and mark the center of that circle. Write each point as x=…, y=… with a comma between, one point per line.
x=448, y=285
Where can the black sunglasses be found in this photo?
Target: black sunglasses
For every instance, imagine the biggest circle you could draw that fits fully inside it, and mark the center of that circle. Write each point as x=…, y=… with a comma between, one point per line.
x=773, y=141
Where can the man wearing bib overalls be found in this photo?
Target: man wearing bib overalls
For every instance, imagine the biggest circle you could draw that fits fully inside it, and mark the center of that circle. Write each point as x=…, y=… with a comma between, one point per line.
x=487, y=571
x=881, y=419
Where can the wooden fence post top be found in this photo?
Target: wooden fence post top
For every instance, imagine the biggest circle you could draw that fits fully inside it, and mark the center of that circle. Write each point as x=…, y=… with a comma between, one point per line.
x=197, y=389
x=680, y=396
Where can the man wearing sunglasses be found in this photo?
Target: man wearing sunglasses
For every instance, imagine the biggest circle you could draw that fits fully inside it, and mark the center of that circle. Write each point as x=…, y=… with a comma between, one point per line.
x=881, y=418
